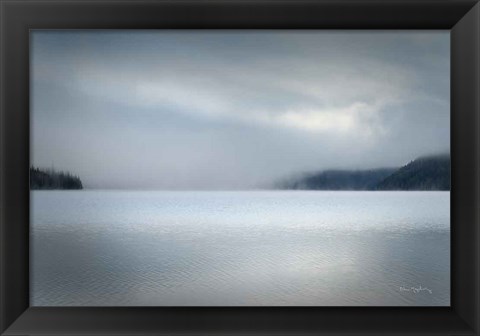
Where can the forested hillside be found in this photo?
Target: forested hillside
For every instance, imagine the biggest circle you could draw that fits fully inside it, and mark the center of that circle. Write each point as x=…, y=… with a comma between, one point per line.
x=50, y=179
x=426, y=173
x=340, y=180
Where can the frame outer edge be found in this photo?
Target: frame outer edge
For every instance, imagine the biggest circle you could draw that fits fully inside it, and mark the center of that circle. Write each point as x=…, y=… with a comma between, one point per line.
x=477, y=110
x=475, y=13
x=2, y=172
x=476, y=33
x=472, y=18
x=12, y=286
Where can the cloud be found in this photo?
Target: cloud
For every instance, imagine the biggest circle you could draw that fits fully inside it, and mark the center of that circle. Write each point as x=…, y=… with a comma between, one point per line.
x=335, y=120
x=301, y=96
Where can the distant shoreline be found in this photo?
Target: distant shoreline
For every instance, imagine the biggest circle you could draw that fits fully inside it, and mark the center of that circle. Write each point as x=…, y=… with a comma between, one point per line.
x=49, y=179
x=429, y=173
x=424, y=173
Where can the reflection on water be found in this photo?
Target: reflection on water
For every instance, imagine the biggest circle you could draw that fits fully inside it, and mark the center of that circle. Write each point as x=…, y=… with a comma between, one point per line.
x=128, y=248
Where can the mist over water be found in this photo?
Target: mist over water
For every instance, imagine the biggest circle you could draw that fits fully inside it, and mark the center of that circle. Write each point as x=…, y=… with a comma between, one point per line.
x=159, y=248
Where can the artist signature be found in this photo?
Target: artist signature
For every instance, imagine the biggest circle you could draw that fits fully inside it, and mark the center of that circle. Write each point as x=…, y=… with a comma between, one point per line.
x=415, y=289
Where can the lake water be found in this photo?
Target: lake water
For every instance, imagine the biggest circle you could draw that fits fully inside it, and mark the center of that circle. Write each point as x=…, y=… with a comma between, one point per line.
x=249, y=248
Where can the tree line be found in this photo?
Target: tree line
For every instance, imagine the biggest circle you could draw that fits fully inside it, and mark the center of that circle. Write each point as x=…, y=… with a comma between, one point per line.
x=49, y=179
x=425, y=173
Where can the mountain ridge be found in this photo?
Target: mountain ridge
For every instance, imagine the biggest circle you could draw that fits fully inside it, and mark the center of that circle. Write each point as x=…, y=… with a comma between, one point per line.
x=424, y=173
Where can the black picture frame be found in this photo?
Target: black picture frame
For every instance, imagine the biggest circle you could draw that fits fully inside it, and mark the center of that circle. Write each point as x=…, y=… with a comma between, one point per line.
x=18, y=17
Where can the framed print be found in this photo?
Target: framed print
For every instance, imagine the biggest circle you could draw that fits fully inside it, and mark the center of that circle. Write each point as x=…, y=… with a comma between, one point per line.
x=187, y=167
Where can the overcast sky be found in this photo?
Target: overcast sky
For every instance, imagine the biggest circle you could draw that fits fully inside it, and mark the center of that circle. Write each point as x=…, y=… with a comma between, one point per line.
x=234, y=109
